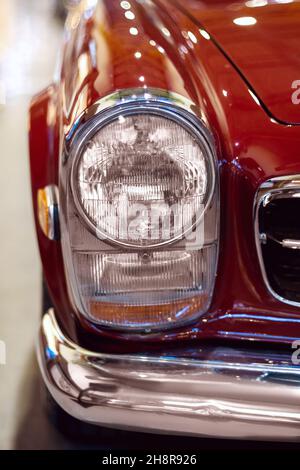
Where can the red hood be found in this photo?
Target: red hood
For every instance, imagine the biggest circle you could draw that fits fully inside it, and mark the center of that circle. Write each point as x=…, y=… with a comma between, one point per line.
x=266, y=53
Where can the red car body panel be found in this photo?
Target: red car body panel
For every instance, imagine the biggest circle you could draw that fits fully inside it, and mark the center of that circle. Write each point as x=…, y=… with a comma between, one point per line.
x=266, y=53
x=99, y=57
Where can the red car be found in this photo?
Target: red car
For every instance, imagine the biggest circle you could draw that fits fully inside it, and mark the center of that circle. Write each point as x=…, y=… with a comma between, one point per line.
x=165, y=165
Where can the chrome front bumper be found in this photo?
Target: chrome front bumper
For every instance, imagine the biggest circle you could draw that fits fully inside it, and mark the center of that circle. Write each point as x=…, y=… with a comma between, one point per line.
x=221, y=393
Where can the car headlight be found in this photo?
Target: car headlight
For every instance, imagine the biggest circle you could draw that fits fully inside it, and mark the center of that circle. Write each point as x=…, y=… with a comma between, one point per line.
x=143, y=180
x=142, y=216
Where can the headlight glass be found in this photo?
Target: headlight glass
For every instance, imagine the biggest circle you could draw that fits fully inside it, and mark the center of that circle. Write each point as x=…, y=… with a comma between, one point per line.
x=143, y=180
x=141, y=219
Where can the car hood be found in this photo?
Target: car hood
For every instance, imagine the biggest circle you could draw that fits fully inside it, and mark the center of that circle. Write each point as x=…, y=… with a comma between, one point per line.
x=262, y=40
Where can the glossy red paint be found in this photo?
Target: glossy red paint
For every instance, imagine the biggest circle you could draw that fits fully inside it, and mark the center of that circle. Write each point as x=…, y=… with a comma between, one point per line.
x=262, y=40
x=177, y=54
x=44, y=152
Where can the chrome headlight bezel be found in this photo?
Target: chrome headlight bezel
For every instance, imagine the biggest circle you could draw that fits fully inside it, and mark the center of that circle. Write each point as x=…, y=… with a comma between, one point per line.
x=72, y=217
x=151, y=104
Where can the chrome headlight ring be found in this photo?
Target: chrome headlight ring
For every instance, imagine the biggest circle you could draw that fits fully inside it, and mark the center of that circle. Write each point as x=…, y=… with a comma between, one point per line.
x=95, y=298
x=133, y=103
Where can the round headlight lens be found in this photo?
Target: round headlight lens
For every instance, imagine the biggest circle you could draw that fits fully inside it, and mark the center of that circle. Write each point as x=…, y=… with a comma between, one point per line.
x=143, y=180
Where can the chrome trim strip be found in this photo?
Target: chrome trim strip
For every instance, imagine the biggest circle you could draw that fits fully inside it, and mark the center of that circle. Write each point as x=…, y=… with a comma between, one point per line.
x=285, y=243
x=132, y=96
x=291, y=244
x=131, y=102
x=274, y=188
x=251, y=395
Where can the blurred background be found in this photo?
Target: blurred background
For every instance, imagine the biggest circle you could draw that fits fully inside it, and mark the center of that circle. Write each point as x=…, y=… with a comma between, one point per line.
x=30, y=37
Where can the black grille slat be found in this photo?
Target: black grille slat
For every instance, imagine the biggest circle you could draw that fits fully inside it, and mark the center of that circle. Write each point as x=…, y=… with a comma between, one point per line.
x=280, y=220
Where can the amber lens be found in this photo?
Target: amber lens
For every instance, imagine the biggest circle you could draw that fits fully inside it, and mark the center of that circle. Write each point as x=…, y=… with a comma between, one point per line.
x=163, y=314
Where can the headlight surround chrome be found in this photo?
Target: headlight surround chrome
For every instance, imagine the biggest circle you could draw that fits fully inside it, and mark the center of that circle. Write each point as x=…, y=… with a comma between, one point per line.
x=85, y=251
x=149, y=107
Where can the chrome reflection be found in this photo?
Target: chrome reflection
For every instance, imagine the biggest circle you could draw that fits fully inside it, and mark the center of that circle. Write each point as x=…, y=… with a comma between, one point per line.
x=219, y=392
